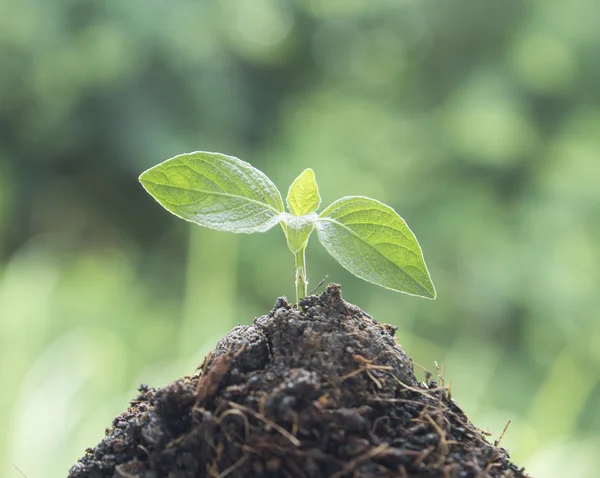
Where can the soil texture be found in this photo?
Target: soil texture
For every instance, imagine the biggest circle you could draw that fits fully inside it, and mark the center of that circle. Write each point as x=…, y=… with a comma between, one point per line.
x=323, y=391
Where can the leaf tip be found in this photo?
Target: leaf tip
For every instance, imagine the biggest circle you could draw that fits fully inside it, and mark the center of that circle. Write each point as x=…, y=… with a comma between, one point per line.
x=144, y=180
x=303, y=195
x=429, y=291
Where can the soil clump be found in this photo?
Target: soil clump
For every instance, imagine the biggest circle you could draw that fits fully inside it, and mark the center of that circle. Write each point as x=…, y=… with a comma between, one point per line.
x=323, y=391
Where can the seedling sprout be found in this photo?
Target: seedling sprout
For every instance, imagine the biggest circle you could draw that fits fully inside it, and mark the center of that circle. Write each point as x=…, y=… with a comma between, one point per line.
x=365, y=236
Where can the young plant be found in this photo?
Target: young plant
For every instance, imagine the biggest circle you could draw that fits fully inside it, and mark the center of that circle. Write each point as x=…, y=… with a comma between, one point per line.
x=225, y=193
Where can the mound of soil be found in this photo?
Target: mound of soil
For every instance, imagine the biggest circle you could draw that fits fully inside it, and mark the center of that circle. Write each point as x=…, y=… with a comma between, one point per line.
x=323, y=391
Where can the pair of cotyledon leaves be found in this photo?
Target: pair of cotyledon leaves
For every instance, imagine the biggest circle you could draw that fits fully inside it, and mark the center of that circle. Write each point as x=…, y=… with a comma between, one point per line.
x=365, y=236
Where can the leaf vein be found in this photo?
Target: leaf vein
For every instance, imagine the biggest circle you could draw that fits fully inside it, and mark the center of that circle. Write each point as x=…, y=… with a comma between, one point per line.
x=354, y=234
x=217, y=193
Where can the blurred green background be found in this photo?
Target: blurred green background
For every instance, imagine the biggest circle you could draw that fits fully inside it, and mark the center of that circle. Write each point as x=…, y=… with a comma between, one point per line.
x=478, y=121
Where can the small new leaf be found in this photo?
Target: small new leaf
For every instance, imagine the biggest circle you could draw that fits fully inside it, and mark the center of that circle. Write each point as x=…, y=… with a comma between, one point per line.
x=216, y=191
x=303, y=195
x=298, y=229
x=374, y=243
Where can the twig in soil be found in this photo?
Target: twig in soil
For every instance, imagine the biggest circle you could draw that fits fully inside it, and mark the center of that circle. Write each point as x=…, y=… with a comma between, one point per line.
x=367, y=367
x=376, y=422
x=147, y=452
x=249, y=449
x=448, y=469
x=232, y=468
x=202, y=367
x=291, y=469
x=268, y=422
x=420, y=423
x=319, y=285
x=443, y=444
x=427, y=373
x=439, y=374
x=209, y=383
x=497, y=442
x=234, y=411
x=364, y=457
x=424, y=455
x=476, y=432
x=488, y=468
x=375, y=381
x=426, y=392
x=441, y=380
x=213, y=468
x=396, y=400
x=119, y=469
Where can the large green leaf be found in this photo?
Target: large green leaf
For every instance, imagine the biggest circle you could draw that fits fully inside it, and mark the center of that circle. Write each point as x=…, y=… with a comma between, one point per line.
x=303, y=196
x=216, y=191
x=374, y=243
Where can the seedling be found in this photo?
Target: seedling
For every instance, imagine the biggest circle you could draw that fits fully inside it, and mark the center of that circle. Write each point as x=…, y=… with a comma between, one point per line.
x=227, y=194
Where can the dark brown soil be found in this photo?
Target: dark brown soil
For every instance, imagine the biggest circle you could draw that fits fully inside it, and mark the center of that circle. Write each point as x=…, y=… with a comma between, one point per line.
x=320, y=392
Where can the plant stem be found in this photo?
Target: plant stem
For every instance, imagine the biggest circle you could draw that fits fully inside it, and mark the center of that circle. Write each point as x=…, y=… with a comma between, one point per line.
x=301, y=282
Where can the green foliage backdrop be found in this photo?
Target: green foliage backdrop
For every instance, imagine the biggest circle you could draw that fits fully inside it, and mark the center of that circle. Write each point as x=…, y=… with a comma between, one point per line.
x=477, y=121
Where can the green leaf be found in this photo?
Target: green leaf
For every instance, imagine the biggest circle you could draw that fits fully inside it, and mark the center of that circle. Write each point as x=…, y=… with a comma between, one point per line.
x=374, y=243
x=303, y=195
x=298, y=229
x=216, y=191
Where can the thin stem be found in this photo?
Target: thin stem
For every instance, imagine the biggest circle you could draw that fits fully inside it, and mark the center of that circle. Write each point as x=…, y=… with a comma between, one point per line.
x=301, y=282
